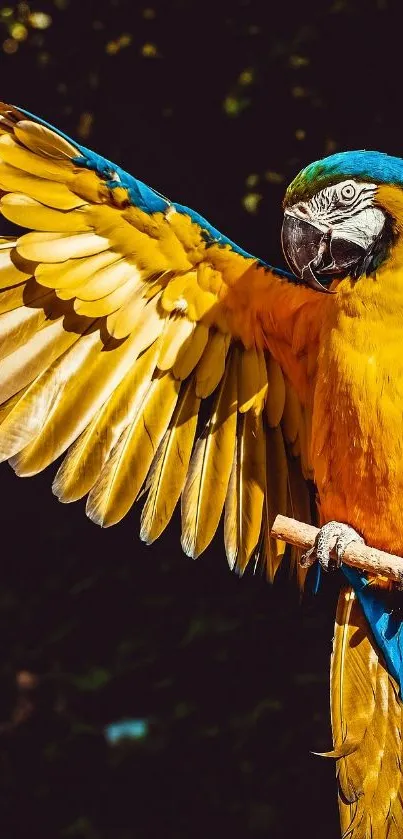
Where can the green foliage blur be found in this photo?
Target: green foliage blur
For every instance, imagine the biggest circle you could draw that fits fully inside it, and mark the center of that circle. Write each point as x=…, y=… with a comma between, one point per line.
x=218, y=105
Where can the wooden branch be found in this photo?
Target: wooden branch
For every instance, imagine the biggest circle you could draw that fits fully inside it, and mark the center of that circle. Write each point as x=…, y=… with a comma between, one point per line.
x=358, y=555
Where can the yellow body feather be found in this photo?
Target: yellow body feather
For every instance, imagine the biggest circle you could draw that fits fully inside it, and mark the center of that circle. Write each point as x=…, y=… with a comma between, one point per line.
x=115, y=324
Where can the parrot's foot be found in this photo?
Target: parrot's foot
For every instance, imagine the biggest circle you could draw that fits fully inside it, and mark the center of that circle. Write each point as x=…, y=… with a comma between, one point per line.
x=333, y=535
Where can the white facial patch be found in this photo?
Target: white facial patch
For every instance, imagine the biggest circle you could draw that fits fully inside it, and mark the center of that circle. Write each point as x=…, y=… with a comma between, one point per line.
x=363, y=228
x=346, y=210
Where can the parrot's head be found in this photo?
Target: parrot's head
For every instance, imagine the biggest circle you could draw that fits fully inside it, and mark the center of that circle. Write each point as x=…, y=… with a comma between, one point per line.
x=342, y=215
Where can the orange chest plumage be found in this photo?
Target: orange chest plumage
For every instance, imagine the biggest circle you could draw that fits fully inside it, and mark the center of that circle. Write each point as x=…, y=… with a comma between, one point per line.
x=357, y=432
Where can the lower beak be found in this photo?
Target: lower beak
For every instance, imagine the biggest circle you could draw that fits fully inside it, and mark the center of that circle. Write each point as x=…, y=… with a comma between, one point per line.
x=311, y=251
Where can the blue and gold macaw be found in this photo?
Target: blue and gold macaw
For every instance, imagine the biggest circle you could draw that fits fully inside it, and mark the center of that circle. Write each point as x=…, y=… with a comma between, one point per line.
x=121, y=312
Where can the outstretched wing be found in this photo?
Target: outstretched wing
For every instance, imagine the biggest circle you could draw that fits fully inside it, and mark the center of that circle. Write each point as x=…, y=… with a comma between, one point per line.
x=121, y=312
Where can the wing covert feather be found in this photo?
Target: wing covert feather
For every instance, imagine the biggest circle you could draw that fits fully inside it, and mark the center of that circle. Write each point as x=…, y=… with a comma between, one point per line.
x=120, y=312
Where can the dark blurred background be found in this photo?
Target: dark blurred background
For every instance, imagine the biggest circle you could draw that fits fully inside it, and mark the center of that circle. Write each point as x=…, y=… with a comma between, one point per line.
x=223, y=682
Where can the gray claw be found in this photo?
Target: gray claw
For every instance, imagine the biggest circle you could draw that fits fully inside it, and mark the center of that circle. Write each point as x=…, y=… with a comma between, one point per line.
x=333, y=535
x=309, y=558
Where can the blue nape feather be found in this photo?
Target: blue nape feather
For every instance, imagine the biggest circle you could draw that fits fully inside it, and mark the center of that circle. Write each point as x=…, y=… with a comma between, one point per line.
x=373, y=165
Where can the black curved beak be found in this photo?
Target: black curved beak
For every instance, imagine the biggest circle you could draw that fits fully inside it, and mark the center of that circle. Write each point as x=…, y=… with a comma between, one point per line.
x=310, y=251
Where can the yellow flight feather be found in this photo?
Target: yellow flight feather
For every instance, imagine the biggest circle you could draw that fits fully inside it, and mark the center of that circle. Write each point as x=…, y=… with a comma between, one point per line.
x=261, y=396
x=276, y=496
x=30, y=360
x=210, y=467
x=211, y=366
x=34, y=164
x=56, y=247
x=85, y=459
x=43, y=141
x=248, y=379
x=50, y=193
x=126, y=469
x=170, y=467
x=105, y=305
x=176, y=332
x=30, y=213
x=27, y=418
x=298, y=507
x=244, y=503
x=8, y=406
x=18, y=326
x=12, y=298
x=80, y=397
x=27, y=293
x=10, y=276
x=95, y=284
x=125, y=319
x=73, y=272
x=108, y=280
x=191, y=351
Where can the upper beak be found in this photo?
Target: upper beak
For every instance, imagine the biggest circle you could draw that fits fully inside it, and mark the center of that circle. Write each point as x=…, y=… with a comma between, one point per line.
x=310, y=250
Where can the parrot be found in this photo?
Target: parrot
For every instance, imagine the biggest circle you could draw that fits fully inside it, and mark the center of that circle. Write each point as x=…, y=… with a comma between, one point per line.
x=166, y=362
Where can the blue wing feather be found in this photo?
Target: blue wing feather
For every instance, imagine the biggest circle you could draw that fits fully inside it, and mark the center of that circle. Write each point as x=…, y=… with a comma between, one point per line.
x=386, y=626
x=148, y=199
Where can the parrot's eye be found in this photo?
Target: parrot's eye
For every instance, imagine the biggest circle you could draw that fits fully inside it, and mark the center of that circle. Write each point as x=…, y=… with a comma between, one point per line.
x=348, y=192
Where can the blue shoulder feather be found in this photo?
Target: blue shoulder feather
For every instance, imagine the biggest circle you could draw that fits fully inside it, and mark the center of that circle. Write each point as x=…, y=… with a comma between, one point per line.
x=147, y=199
x=385, y=626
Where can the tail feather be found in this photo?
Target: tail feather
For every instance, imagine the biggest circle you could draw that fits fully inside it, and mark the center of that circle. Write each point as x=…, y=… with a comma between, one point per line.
x=367, y=729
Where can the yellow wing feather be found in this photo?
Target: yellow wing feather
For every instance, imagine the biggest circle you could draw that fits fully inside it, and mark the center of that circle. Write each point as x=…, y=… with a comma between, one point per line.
x=115, y=323
x=276, y=496
x=210, y=468
x=168, y=474
x=126, y=469
x=83, y=464
x=244, y=504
